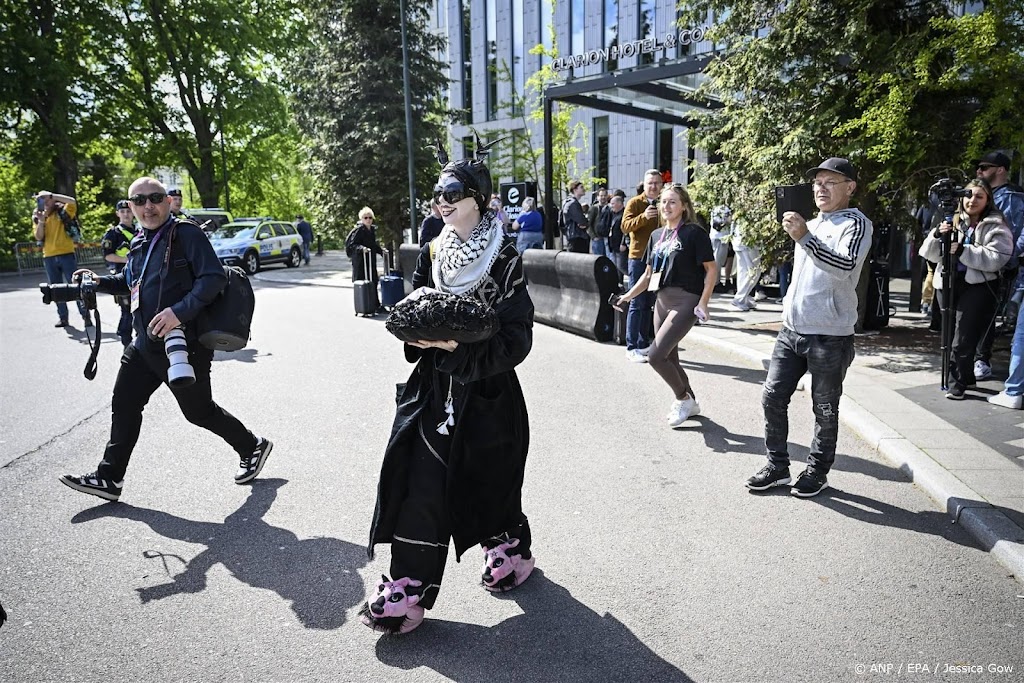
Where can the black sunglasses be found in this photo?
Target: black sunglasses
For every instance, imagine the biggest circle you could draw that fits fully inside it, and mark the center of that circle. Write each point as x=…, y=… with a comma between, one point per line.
x=985, y=167
x=453, y=193
x=155, y=197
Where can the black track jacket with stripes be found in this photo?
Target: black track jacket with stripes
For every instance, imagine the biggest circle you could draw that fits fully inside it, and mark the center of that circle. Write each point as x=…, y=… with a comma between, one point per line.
x=823, y=296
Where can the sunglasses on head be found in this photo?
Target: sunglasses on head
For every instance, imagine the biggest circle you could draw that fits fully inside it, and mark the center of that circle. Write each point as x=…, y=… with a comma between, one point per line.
x=154, y=197
x=453, y=193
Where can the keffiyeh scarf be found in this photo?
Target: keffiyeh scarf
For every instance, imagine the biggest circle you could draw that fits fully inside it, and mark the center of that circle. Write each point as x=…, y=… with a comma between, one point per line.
x=461, y=267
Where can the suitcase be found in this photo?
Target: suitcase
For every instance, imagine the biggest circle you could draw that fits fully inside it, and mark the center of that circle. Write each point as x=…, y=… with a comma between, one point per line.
x=392, y=286
x=876, y=316
x=365, y=291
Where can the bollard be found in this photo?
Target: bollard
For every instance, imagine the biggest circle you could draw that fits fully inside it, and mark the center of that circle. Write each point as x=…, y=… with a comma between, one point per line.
x=319, y=246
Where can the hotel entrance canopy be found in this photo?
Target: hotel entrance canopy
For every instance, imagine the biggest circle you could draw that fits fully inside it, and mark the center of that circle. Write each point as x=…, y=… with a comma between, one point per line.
x=665, y=93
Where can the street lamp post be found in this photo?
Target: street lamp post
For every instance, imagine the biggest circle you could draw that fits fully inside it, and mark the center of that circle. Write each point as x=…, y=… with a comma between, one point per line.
x=408, y=127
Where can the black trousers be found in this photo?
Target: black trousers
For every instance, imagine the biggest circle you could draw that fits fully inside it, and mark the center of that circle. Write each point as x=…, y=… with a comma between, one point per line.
x=419, y=548
x=972, y=308
x=1006, y=281
x=141, y=373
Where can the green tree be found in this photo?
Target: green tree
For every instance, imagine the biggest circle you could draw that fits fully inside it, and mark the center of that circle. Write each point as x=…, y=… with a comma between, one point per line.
x=349, y=102
x=903, y=88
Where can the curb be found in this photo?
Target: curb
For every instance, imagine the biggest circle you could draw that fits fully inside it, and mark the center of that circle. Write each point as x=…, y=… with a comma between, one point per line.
x=997, y=533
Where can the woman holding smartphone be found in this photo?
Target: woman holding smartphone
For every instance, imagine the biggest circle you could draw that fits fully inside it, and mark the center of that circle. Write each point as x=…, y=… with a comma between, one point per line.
x=681, y=269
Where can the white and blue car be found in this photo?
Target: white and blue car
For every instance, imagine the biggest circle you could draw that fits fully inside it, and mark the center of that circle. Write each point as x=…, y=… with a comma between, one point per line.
x=254, y=243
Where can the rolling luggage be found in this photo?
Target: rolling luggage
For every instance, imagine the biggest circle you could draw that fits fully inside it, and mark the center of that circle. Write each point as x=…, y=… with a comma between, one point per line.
x=365, y=291
x=392, y=286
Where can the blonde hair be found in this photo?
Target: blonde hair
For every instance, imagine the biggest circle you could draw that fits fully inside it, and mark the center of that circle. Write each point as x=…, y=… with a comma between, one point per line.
x=528, y=204
x=689, y=213
x=366, y=211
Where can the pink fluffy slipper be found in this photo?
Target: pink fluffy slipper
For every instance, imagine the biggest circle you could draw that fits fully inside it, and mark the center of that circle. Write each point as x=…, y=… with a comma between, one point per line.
x=502, y=571
x=391, y=609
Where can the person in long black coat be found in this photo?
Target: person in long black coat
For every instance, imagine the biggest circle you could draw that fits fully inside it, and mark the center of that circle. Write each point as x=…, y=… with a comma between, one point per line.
x=363, y=240
x=454, y=465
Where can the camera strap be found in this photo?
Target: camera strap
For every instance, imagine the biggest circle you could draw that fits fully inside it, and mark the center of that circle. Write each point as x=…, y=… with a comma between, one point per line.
x=91, y=365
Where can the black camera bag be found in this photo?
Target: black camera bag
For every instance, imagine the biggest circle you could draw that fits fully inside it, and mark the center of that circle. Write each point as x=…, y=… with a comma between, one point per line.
x=225, y=324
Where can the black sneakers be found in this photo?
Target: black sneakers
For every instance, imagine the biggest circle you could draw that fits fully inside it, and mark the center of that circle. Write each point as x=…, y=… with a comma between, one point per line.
x=768, y=477
x=250, y=465
x=94, y=485
x=809, y=484
x=955, y=392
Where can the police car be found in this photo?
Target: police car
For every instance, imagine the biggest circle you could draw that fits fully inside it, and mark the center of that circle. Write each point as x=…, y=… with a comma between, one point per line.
x=254, y=243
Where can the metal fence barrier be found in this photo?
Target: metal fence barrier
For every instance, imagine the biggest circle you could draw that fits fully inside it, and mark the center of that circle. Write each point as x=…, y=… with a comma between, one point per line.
x=30, y=256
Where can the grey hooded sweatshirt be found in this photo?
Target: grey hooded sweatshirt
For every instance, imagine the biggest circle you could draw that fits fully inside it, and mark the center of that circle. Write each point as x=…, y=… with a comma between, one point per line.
x=823, y=296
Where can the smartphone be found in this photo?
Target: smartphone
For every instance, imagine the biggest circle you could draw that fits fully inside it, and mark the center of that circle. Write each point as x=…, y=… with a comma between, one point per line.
x=40, y=203
x=613, y=300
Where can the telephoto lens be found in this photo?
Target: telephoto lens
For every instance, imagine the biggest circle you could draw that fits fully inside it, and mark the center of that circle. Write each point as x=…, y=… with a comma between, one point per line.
x=180, y=373
x=61, y=293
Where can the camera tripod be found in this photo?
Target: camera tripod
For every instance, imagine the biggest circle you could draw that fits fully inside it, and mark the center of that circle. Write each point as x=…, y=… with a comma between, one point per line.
x=948, y=295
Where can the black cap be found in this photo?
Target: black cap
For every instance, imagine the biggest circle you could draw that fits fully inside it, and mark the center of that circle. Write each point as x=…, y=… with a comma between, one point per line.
x=994, y=158
x=836, y=165
x=174, y=192
x=123, y=204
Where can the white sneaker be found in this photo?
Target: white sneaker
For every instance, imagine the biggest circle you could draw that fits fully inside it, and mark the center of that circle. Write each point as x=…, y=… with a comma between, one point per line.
x=740, y=305
x=982, y=370
x=644, y=351
x=634, y=356
x=683, y=411
x=1005, y=400
x=760, y=296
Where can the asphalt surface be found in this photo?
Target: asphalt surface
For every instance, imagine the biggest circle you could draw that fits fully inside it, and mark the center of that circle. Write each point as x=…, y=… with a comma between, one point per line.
x=654, y=562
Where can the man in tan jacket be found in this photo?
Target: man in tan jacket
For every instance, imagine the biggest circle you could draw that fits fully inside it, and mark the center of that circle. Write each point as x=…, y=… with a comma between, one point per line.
x=639, y=220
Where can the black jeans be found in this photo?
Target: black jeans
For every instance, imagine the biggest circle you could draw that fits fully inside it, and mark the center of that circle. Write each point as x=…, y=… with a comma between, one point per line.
x=141, y=373
x=827, y=358
x=973, y=309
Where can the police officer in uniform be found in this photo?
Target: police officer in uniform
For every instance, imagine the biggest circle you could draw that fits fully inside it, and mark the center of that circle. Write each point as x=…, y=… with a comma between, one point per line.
x=168, y=290
x=176, y=200
x=116, y=242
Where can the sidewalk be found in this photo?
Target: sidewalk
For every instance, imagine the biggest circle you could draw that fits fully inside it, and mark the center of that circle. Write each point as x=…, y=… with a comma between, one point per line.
x=967, y=455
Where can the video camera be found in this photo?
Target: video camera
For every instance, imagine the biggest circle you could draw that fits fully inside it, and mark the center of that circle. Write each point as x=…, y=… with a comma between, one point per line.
x=84, y=289
x=948, y=193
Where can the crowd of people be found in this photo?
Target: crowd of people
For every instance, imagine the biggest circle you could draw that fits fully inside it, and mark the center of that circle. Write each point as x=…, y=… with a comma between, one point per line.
x=454, y=466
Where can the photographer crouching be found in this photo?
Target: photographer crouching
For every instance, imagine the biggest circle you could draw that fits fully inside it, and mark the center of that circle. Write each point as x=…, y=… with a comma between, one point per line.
x=171, y=274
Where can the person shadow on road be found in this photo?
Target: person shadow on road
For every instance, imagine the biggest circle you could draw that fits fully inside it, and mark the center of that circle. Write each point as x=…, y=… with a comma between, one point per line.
x=317, y=576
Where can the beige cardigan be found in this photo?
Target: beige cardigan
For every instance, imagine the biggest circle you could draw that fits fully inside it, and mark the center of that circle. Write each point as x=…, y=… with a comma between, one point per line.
x=989, y=251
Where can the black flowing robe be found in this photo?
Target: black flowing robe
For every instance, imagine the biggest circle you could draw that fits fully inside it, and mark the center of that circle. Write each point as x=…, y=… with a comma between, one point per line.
x=491, y=436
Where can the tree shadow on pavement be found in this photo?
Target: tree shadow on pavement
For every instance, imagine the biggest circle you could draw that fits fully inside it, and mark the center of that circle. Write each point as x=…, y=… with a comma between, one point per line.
x=749, y=375
x=317, y=576
x=556, y=638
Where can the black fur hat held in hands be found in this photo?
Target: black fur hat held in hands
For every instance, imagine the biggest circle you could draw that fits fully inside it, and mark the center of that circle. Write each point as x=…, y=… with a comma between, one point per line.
x=473, y=173
x=437, y=316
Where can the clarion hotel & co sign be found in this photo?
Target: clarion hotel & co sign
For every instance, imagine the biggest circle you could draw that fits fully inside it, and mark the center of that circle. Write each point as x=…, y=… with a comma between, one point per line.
x=631, y=49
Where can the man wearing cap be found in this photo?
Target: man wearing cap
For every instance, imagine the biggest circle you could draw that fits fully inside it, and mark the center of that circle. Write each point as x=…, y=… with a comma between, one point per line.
x=56, y=230
x=305, y=231
x=818, y=317
x=116, y=242
x=176, y=199
x=994, y=168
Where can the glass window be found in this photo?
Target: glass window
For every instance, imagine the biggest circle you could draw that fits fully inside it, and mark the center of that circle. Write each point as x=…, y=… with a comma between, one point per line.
x=577, y=15
x=611, y=32
x=646, y=27
x=665, y=139
x=492, y=60
x=280, y=230
x=467, y=147
x=518, y=58
x=264, y=232
x=467, y=61
x=546, y=25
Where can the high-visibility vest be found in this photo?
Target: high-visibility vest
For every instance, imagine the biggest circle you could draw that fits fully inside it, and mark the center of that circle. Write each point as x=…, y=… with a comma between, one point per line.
x=129, y=235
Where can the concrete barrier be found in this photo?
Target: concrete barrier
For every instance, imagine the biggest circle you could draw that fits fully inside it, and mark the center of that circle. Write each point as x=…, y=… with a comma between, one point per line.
x=570, y=291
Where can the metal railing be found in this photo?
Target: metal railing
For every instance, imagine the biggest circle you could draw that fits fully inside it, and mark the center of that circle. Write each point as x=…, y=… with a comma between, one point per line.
x=30, y=255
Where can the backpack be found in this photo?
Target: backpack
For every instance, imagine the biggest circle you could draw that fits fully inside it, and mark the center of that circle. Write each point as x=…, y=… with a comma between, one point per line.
x=350, y=242
x=71, y=226
x=225, y=325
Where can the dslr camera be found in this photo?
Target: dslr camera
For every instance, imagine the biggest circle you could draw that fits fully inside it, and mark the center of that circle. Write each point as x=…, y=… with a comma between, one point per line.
x=84, y=289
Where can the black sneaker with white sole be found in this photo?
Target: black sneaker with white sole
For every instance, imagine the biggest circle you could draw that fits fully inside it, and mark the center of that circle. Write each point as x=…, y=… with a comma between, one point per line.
x=94, y=485
x=769, y=476
x=809, y=484
x=249, y=466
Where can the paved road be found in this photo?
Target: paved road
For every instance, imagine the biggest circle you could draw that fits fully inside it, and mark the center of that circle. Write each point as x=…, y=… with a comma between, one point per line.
x=655, y=563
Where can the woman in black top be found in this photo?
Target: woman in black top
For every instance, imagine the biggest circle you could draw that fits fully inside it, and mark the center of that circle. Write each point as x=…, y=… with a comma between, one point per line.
x=363, y=238
x=681, y=268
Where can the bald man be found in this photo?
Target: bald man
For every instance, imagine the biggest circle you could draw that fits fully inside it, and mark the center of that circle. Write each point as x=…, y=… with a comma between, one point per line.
x=167, y=290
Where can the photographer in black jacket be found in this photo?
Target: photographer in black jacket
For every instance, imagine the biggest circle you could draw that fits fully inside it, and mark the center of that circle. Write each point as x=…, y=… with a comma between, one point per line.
x=172, y=273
